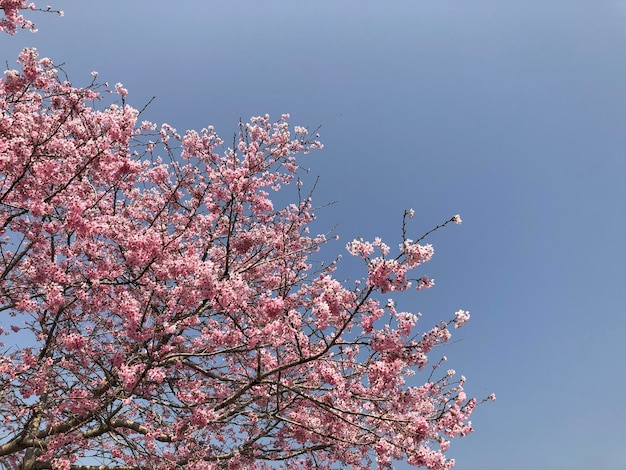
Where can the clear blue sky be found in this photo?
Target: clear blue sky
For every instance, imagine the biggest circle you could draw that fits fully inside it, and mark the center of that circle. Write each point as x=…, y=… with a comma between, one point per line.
x=509, y=112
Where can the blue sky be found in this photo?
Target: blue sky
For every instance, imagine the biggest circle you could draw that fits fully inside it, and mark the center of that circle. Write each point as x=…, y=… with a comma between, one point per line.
x=509, y=112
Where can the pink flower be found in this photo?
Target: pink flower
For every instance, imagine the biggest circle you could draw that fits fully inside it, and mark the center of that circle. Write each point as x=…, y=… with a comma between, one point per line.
x=460, y=318
x=120, y=89
x=156, y=374
x=74, y=342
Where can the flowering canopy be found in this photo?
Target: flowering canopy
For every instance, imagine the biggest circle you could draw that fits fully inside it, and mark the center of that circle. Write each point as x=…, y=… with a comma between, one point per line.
x=162, y=313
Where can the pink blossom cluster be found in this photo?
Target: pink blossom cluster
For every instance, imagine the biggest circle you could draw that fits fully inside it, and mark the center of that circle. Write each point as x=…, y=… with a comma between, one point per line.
x=460, y=318
x=176, y=316
x=13, y=19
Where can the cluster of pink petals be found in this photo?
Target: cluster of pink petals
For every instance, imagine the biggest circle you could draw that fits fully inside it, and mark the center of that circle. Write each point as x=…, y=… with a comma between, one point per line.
x=13, y=19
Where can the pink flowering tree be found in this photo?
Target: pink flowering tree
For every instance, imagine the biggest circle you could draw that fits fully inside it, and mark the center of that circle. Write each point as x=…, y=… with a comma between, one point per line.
x=158, y=310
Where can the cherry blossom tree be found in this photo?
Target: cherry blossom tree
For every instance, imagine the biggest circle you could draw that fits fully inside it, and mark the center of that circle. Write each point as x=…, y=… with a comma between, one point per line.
x=158, y=310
